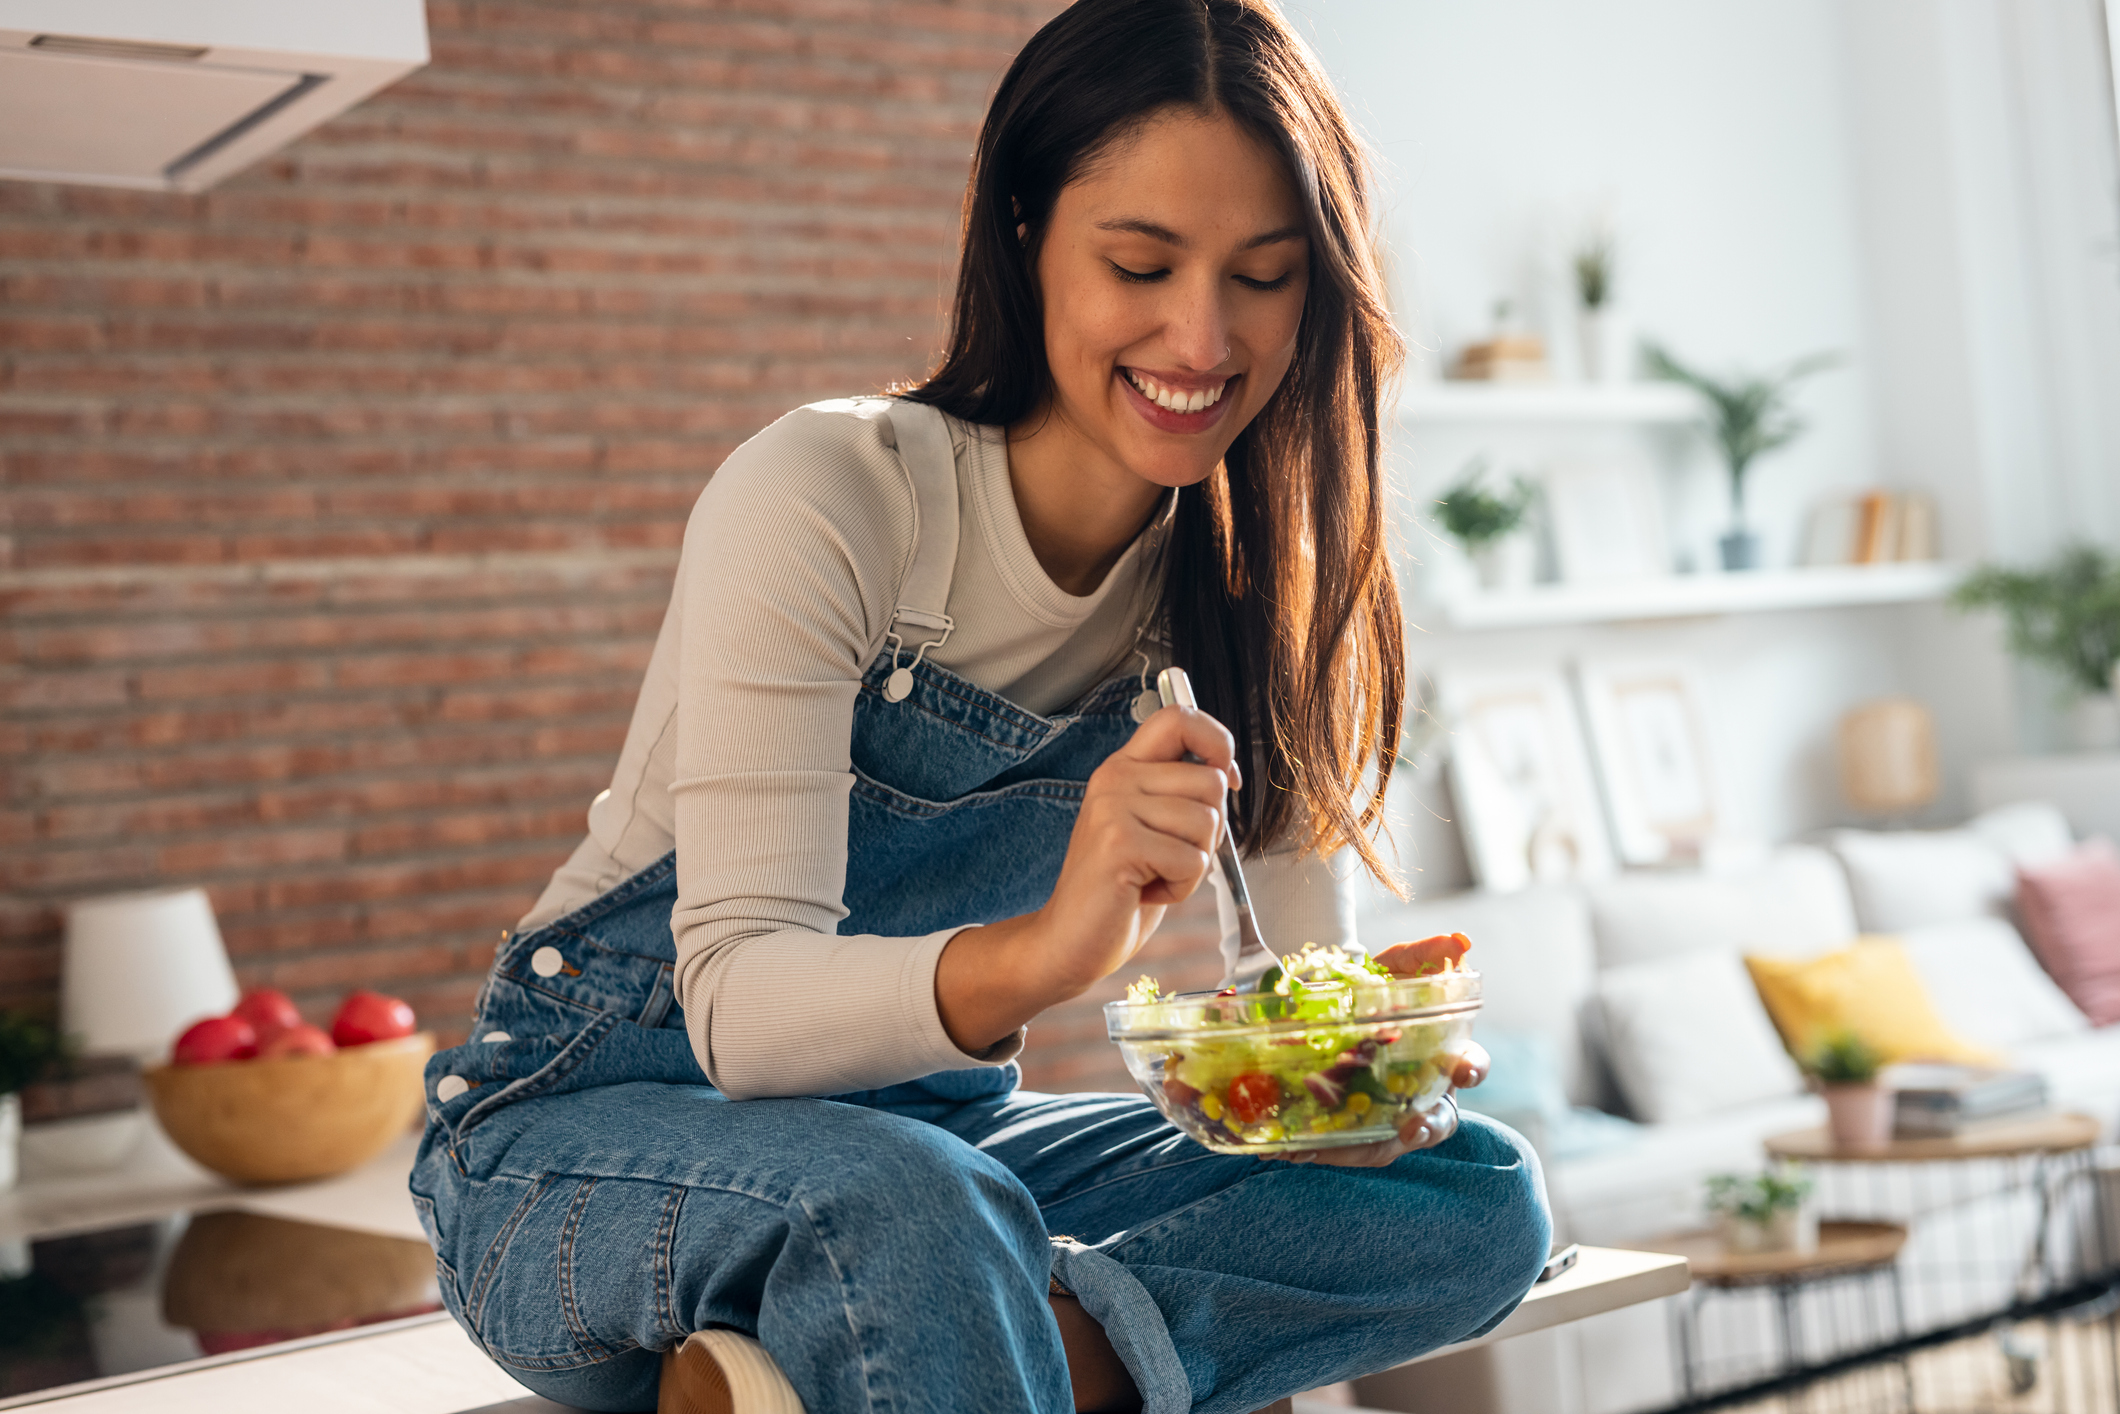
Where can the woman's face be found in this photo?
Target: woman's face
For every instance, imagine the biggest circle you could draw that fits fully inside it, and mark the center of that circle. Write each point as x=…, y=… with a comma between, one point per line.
x=1173, y=273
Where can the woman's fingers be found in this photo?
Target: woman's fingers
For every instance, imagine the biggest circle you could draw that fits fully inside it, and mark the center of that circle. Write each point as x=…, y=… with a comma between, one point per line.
x=1473, y=1063
x=1171, y=732
x=1175, y=778
x=1426, y=957
x=1188, y=820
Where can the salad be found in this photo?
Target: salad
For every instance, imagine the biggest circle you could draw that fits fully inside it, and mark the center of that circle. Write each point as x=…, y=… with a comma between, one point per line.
x=1328, y=1048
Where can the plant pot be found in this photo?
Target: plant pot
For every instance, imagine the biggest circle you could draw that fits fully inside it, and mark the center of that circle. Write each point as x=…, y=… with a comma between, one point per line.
x=1505, y=563
x=10, y=1137
x=1740, y=550
x=1607, y=339
x=2094, y=722
x=1860, y=1116
x=1789, y=1230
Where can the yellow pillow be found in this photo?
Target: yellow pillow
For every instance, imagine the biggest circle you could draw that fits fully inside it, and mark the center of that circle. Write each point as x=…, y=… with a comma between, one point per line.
x=1870, y=989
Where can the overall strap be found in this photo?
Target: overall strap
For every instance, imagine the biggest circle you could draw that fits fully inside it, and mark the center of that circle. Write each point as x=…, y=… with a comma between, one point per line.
x=924, y=446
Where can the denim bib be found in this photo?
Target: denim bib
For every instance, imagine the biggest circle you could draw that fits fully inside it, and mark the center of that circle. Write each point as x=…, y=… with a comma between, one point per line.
x=961, y=811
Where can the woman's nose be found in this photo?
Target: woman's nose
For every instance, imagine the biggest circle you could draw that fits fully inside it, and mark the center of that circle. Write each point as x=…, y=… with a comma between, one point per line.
x=1199, y=330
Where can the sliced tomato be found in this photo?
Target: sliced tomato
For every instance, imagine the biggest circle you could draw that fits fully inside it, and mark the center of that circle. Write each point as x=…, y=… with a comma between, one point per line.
x=1254, y=1096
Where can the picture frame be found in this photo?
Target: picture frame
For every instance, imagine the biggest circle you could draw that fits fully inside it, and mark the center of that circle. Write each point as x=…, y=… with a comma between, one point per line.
x=1521, y=780
x=1648, y=725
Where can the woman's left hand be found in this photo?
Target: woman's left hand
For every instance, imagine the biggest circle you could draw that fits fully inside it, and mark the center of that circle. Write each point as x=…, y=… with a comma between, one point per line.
x=1424, y=1130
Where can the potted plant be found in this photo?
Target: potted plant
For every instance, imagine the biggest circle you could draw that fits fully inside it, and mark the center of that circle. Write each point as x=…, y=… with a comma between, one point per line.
x=2065, y=616
x=1765, y=1213
x=1484, y=523
x=1601, y=327
x=1844, y=1067
x=27, y=1046
x=1751, y=417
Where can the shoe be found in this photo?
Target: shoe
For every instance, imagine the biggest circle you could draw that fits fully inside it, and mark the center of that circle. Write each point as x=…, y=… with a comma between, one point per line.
x=723, y=1372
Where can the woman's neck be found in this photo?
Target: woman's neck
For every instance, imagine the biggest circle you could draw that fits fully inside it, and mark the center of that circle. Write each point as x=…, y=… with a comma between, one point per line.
x=1079, y=507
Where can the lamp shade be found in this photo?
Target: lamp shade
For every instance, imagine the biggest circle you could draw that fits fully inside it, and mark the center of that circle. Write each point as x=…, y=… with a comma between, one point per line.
x=1888, y=756
x=139, y=968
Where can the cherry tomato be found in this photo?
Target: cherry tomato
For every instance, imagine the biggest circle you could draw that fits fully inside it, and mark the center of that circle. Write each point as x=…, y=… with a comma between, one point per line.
x=217, y=1038
x=298, y=1041
x=268, y=1011
x=1254, y=1096
x=371, y=1016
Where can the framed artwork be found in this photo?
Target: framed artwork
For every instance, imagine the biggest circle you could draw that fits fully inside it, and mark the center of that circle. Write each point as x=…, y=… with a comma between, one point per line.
x=1607, y=521
x=1526, y=802
x=1649, y=732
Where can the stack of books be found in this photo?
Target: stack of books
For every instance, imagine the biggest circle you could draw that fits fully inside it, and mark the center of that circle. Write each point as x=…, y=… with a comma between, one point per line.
x=1940, y=1101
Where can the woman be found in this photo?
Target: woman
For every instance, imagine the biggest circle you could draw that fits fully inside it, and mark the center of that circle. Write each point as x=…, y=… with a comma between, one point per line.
x=745, y=1069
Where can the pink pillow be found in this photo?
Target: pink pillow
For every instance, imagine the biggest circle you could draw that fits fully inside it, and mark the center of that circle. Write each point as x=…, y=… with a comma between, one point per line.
x=2071, y=914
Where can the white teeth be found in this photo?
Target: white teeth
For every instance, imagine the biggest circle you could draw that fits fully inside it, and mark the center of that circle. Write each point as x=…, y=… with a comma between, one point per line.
x=1172, y=400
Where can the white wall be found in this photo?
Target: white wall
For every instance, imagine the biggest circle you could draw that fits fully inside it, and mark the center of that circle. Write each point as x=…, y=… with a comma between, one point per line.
x=1873, y=176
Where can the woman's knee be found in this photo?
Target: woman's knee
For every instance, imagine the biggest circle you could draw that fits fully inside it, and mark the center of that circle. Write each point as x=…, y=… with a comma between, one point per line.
x=1514, y=1221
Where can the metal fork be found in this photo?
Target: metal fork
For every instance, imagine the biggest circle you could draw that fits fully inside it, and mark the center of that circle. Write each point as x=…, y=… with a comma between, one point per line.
x=1253, y=956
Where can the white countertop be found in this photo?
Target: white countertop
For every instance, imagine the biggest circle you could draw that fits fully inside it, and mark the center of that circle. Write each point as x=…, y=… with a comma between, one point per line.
x=425, y=1365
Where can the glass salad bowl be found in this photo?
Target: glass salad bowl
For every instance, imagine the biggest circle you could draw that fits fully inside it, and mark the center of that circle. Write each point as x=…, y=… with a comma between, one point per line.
x=1330, y=1052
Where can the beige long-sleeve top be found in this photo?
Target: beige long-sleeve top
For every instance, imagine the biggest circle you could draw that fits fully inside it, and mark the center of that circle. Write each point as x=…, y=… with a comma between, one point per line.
x=738, y=753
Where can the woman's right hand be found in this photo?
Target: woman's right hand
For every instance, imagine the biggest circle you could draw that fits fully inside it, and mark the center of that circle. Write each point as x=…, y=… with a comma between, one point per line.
x=1143, y=839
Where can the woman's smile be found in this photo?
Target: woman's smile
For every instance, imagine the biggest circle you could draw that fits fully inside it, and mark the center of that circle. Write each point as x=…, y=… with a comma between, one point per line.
x=1177, y=403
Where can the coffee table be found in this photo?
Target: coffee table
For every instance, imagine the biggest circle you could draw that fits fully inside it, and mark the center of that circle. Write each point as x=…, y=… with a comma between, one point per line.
x=2039, y=1159
x=1847, y=1251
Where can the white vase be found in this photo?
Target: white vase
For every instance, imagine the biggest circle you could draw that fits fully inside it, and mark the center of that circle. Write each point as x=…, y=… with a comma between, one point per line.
x=10, y=1139
x=1789, y=1230
x=1607, y=344
x=2094, y=721
x=1506, y=563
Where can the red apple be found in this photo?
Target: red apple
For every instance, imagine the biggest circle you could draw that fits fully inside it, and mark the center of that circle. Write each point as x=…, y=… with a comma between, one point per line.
x=371, y=1016
x=217, y=1038
x=297, y=1041
x=267, y=1010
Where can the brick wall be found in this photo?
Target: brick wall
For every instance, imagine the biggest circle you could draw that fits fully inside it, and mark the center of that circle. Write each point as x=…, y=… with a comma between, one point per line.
x=343, y=500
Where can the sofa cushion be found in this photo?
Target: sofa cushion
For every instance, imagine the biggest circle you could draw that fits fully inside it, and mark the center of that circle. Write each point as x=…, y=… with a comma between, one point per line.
x=2071, y=912
x=1870, y=991
x=1796, y=902
x=1655, y=1183
x=2030, y=833
x=1987, y=986
x=2082, y=1073
x=1911, y=878
x=1687, y=1037
x=1533, y=953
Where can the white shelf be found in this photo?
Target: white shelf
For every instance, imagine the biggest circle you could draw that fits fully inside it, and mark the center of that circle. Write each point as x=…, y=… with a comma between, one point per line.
x=1694, y=595
x=1583, y=403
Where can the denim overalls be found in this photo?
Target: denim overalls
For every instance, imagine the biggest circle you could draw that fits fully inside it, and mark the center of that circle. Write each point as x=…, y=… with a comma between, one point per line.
x=592, y=1200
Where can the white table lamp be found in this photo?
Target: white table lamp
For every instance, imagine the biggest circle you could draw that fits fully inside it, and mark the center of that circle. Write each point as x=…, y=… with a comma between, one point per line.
x=141, y=967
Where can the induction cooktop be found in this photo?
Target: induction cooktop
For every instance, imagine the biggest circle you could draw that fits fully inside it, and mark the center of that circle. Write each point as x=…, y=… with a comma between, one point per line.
x=124, y=1301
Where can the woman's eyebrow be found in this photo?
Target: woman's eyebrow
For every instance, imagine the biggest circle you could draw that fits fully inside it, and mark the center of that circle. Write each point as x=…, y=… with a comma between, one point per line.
x=1141, y=227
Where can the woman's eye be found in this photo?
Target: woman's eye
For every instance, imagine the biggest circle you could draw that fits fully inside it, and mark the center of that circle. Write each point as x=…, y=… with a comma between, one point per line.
x=1136, y=277
x=1280, y=282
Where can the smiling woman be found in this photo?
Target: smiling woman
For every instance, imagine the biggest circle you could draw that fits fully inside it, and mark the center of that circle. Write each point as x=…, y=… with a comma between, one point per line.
x=742, y=1085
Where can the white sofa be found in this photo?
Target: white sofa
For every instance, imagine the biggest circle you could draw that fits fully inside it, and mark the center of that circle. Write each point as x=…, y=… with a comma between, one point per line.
x=1636, y=985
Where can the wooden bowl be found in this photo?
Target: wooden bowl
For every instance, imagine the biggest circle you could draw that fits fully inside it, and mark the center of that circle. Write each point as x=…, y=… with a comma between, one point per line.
x=295, y=1117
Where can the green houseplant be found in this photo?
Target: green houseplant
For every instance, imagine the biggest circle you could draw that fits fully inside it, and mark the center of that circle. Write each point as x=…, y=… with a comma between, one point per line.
x=1765, y=1212
x=1845, y=1068
x=1481, y=520
x=2064, y=616
x=1750, y=417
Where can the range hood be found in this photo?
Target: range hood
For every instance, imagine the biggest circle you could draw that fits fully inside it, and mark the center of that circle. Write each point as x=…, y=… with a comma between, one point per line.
x=174, y=95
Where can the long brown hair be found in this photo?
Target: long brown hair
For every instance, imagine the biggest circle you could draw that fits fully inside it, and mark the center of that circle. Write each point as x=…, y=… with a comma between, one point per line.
x=1278, y=592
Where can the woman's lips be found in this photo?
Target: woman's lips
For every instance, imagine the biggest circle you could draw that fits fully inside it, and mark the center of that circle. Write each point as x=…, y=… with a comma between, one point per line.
x=1164, y=420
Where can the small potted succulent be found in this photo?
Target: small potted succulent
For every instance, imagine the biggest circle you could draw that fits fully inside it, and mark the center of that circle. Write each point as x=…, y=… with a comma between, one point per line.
x=1751, y=418
x=1486, y=524
x=27, y=1046
x=1607, y=343
x=2066, y=617
x=1844, y=1067
x=1768, y=1212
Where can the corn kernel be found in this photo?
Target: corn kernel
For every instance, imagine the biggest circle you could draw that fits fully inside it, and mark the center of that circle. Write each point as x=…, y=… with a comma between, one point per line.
x=1211, y=1105
x=1358, y=1103
x=1345, y=1120
x=1268, y=1132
